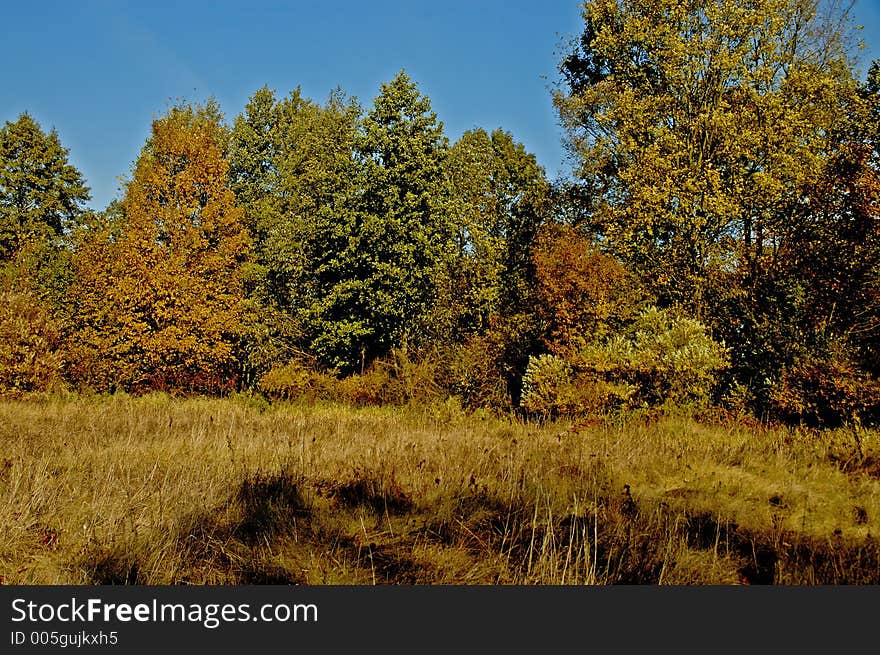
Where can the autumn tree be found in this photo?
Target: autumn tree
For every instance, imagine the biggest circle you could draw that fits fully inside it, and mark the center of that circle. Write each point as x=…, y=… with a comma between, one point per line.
x=710, y=135
x=584, y=295
x=828, y=329
x=699, y=125
x=158, y=298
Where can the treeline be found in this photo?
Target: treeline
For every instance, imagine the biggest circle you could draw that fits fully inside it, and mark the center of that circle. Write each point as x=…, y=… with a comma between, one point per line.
x=718, y=243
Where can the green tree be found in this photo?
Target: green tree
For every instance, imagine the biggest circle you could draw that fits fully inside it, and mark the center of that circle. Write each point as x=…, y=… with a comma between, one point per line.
x=158, y=297
x=292, y=167
x=41, y=193
x=498, y=196
x=375, y=291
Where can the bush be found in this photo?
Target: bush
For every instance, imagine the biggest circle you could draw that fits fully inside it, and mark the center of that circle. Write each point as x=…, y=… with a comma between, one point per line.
x=669, y=358
x=292, y=380
x=30, y=359
x=396, y=380
x=827, y=390
x=552, y=387
x=473, y=372
x=662, y=359
x=583, y=294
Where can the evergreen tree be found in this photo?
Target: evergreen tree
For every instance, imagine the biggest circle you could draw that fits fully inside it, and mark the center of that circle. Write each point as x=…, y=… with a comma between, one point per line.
x=292, y=167
x=376, y=289
x=41, y=193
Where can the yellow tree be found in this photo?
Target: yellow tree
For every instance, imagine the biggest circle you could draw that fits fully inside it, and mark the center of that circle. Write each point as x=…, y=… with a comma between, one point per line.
x=701, y=125
x=158, y=296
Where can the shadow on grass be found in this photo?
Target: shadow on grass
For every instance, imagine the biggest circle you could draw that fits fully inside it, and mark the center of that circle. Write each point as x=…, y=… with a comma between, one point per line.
x=105, y=566
x=366, y=488
x=274, y=526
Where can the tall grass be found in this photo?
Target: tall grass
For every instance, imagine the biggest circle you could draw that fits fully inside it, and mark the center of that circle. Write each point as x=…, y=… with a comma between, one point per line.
x=157, y=490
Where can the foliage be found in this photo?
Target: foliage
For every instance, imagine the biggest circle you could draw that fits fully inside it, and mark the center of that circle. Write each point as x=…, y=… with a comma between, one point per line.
x=727, y=171
x=376, y=289
x=30, y=340
x=830, y=390
x=763, y=228
x=293, y=170
x=158, y=296
x=670, y=358
x=41, y=193
x=584, y=295
x=498, y=198
x=33, y=285
x=654, y=99
x=660, y=359
x=291, y=381
x=553, y=387
x=474, y=372
x=397, y=379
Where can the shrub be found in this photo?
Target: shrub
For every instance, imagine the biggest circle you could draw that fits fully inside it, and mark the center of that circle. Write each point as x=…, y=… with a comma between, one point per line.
x=292, y=380
x=373, y=387
x=583, y=294
x=670, y=358
x=473, y=372
x=827, y=390
x=552, y=387
x=30, y=359
x=663, y=358
x=396, y=380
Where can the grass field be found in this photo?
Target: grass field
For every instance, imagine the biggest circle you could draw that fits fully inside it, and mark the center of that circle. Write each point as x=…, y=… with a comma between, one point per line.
x=156, y=490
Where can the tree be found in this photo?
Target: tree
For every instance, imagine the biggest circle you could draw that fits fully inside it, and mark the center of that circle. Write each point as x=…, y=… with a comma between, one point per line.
x=584, y=295
x=41, y=193
x=723, y=145
x=293, y=169
x=374, y=292
x=158, y=296
x=700, y=124
x=498, y=196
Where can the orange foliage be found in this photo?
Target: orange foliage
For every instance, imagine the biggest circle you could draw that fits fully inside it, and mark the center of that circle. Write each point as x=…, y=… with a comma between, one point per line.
x=29, y=340
x=158, y=294
x=584, y=294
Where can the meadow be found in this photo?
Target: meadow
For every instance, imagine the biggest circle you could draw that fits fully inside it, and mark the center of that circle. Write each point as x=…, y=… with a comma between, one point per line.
x=153, y=489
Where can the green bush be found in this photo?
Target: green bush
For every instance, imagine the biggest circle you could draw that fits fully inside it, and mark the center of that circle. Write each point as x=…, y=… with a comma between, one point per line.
x=669, y=358
x=662, y=358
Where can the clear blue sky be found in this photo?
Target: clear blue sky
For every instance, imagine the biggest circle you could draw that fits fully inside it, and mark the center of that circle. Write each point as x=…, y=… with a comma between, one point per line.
x=99, y=71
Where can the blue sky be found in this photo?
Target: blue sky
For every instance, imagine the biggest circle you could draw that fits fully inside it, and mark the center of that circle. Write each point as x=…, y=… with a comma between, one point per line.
x=99, y=71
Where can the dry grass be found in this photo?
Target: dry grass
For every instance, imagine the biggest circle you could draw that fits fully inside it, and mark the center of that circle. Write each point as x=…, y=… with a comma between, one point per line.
x=155, y=490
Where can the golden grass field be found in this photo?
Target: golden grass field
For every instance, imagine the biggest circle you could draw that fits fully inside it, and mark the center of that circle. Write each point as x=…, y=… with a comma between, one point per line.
x=158, y=490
